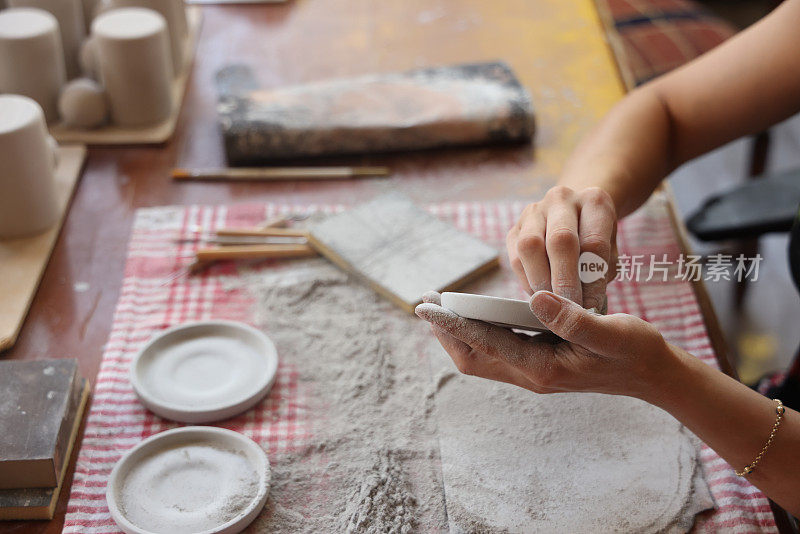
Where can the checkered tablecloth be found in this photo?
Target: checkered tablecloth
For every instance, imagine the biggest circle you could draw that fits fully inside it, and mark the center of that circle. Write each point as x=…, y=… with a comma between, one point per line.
x=152, y=299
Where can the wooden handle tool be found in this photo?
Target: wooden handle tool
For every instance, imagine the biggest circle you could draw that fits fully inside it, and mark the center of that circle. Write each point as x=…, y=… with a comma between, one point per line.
x=263, y=232
x=243, y=252
x=280, y=173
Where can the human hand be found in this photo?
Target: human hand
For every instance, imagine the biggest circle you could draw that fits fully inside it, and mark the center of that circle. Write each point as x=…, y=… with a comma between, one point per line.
x=545, y=244
x=616, y=354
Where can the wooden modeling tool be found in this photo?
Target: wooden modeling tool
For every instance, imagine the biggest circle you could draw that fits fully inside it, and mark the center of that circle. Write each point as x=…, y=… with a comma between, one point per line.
x=244, y=252
x=267, y=174
x=401, y=250
x=263, y=232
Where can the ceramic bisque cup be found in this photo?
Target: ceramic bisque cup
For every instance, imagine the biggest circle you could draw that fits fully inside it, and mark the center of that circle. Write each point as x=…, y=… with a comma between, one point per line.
x=133, y=61
x=31, y=57
x=174, y=14
x=28, y=203
x=69, y=14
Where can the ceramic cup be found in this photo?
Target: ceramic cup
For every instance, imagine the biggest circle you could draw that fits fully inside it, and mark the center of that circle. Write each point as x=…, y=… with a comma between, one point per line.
x=69, y=14
x=173, y=12
x=28, y=202
x=132, y=57
x=31, y=57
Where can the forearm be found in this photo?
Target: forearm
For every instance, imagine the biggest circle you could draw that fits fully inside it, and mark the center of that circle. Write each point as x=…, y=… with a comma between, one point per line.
x=733, y=420
x=627, y=154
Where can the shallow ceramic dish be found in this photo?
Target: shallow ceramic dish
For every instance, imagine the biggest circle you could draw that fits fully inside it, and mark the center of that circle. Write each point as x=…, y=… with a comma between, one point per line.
x=192, y=479
x=203, y=372
x=508, y=313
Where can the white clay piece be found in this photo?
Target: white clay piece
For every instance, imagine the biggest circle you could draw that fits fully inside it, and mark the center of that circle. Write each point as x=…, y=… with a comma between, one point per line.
x=191, y=479
x=204, y=372
x=83, y=104
x=508, y=313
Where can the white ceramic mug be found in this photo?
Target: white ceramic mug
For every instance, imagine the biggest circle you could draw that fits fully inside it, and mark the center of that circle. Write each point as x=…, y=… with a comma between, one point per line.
x=69, y=14
x=172, y=11
x=132, y=57
x=31, y=57
x=28, y=201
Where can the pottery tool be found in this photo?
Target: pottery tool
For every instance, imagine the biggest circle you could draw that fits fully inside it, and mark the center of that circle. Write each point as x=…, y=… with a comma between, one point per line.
x=250, y=252
x=22, y=261
x=238, y=360
x=190, y=479
x=401, y=250
x=270, y=174
x=472, y=104
x=263, y=232
x=41, y=407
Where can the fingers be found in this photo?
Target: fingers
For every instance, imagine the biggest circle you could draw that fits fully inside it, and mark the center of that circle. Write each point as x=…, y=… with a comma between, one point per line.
x=470, y=362
x=529, y=251
x=432, y=297
x=563, y=245
x=597, y=227
x=575, y=324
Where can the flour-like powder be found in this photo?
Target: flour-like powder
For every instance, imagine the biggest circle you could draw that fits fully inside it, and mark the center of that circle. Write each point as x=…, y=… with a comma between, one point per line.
x=380, y=394
x=187, y=488
x=372, y=462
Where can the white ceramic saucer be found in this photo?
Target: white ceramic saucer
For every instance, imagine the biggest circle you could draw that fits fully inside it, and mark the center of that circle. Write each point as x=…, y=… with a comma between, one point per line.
x=508, y=313
x=193, y=479
x=204, y=372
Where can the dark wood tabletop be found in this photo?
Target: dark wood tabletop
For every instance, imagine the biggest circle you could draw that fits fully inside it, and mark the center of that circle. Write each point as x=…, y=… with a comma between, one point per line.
x=556, y=48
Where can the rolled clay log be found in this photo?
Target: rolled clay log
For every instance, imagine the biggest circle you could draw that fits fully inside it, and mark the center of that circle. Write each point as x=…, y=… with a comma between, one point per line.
x=28, y=201
x=132, y=50
x=83, y=104
x=176, y=26
x=31, y=57
x=69, y=14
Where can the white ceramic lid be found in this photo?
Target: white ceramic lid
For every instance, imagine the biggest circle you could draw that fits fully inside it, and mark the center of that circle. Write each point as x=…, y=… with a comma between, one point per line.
x=26, y=22
x=203, y=372
x=508, y=313
x=192, y=479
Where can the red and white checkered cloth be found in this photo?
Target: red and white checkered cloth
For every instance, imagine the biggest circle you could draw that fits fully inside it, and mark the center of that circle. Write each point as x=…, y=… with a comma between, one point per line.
x=150, y=301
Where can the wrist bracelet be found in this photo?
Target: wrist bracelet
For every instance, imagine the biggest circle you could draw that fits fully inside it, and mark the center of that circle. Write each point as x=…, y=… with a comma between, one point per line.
x=779, y=409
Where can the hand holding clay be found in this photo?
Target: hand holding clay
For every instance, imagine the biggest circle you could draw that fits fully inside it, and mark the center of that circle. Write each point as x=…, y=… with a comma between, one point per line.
x=616, y=354
x=544, y=247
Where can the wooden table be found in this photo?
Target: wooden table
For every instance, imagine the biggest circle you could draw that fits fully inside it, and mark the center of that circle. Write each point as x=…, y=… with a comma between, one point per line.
x=555, y=46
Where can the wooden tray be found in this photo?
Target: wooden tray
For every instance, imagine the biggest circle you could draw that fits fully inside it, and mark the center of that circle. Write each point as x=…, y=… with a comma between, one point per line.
x=150, y=135
x=22, y=261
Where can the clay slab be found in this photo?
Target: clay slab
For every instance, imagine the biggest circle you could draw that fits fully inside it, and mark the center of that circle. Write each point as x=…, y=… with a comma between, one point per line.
x=205, y=371
x=192, y=479
x=508, y=313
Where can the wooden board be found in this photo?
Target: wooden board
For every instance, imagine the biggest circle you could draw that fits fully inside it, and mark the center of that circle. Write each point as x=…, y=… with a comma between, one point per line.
x=22, y=261
x=40, y=503
x=401, y=250
x=44, y=395
x=150, y=135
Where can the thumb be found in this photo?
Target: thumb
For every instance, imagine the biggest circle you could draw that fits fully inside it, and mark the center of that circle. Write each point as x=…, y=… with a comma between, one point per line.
x=573, y=323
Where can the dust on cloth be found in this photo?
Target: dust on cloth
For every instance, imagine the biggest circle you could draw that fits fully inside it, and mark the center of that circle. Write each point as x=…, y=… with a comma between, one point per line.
x=384, y=401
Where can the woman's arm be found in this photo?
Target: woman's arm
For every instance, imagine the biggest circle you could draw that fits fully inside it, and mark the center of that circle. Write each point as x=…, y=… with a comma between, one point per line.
x=733, y=420
x=741, y=87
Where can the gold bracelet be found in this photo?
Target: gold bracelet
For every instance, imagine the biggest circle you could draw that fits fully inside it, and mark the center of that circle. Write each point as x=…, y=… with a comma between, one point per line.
x=779, y=409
